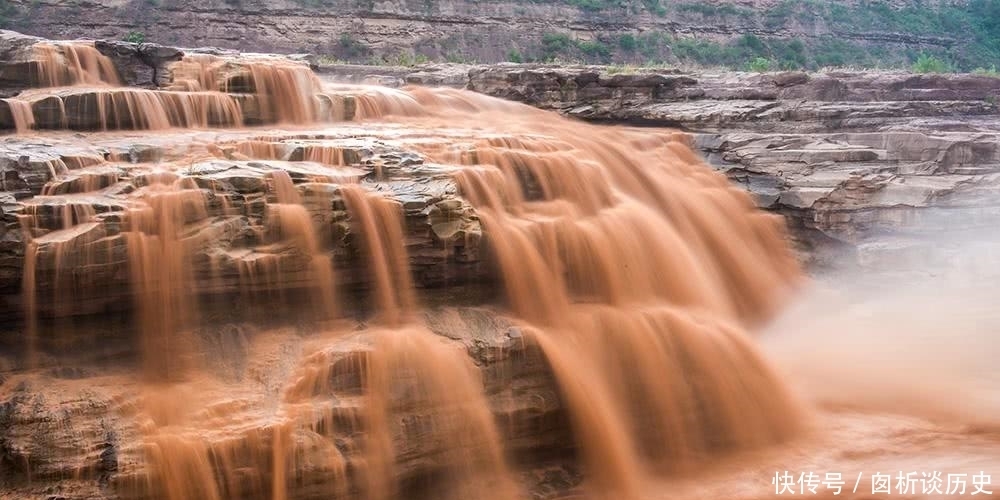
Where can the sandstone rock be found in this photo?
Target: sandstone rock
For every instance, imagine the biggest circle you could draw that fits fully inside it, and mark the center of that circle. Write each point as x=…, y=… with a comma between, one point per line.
x=74, y=427
x=863, y=188
x=847, y=170
x=140, y=65
x=17, y=69
x=25, y=171
x=442, y=230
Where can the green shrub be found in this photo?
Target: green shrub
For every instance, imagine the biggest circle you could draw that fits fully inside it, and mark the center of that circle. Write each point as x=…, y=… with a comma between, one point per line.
x=351, y=48
x=134, y=37
x=651, y=44
x=514, y=56
x=592, y=5
x=555, y=44
x=457, y=58
x=594, y=48
x=834, y=52
x=751, y=43
x=627, y=42
x=655, y=7
x=779, y=15
x=709, y=10
x=626, y=69
x=790, y=54
x=991, y=71
x=402, y=59
x=927, y=63
x=759, y=65
x=329, y=60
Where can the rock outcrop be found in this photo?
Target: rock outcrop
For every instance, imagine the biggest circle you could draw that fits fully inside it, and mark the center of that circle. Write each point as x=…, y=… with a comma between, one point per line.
x=463, y=30
x=862, y=162
x=72, y=429
x=443, y=232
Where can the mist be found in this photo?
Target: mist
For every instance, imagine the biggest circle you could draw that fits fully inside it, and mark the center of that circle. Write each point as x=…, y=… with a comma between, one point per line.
x=919, y=340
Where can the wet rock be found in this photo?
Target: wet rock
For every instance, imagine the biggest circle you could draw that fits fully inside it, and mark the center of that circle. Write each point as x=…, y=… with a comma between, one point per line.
x=18, y=70
x=24, y=172
x=72, y=429
x=85, y=213
x=860, y=189
x=140, y=64
x=848, y=157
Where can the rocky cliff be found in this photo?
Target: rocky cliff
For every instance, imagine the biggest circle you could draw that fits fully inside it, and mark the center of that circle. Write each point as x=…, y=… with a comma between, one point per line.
x=729, y=33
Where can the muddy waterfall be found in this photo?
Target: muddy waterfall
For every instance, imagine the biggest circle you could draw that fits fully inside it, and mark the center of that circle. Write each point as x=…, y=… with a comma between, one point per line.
x=281, y=287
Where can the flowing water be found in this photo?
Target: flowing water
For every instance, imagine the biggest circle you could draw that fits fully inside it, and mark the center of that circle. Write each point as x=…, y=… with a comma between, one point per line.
x=636, y=272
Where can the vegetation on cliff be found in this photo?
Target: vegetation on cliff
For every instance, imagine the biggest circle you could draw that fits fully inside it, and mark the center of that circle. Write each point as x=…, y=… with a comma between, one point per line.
x=790, y=34
x=879, y=37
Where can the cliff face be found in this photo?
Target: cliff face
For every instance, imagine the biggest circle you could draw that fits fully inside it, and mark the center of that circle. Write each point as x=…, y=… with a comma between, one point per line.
x=789, y=34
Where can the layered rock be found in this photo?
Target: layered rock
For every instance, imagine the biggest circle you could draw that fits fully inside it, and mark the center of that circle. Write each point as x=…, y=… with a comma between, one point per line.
x=848, y=157
x=442, y=230
x=108, y=85
x=483, y=31
x=73, y=429
x=870, y=163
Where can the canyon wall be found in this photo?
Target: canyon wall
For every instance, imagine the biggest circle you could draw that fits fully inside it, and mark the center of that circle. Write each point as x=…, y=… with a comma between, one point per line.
x=729, y=33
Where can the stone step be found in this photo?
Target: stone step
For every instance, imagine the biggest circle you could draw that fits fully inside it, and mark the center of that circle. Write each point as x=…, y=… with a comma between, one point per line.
x=141, y=109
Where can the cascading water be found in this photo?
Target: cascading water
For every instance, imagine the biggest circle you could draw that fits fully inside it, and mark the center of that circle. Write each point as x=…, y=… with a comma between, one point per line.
x=631, y=267
x=80, y=89
x=24, y=118
x=379, y=222
x=638, y=308
x=67, y=64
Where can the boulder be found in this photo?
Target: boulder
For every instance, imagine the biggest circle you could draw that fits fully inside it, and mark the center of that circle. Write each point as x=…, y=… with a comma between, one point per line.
x=141, y=64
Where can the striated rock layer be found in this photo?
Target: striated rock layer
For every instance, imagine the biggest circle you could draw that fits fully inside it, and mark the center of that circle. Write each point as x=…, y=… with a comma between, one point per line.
x=870, y=164
x=238, y=177
x=472, y=30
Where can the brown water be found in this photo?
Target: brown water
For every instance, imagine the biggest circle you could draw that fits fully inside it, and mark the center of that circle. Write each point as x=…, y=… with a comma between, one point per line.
x=636, y=270
x=79, y=88
x=64, y=64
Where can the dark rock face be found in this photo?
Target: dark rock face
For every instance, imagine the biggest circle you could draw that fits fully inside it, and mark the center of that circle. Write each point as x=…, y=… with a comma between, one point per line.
x=17, y=70
x=141, y=64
